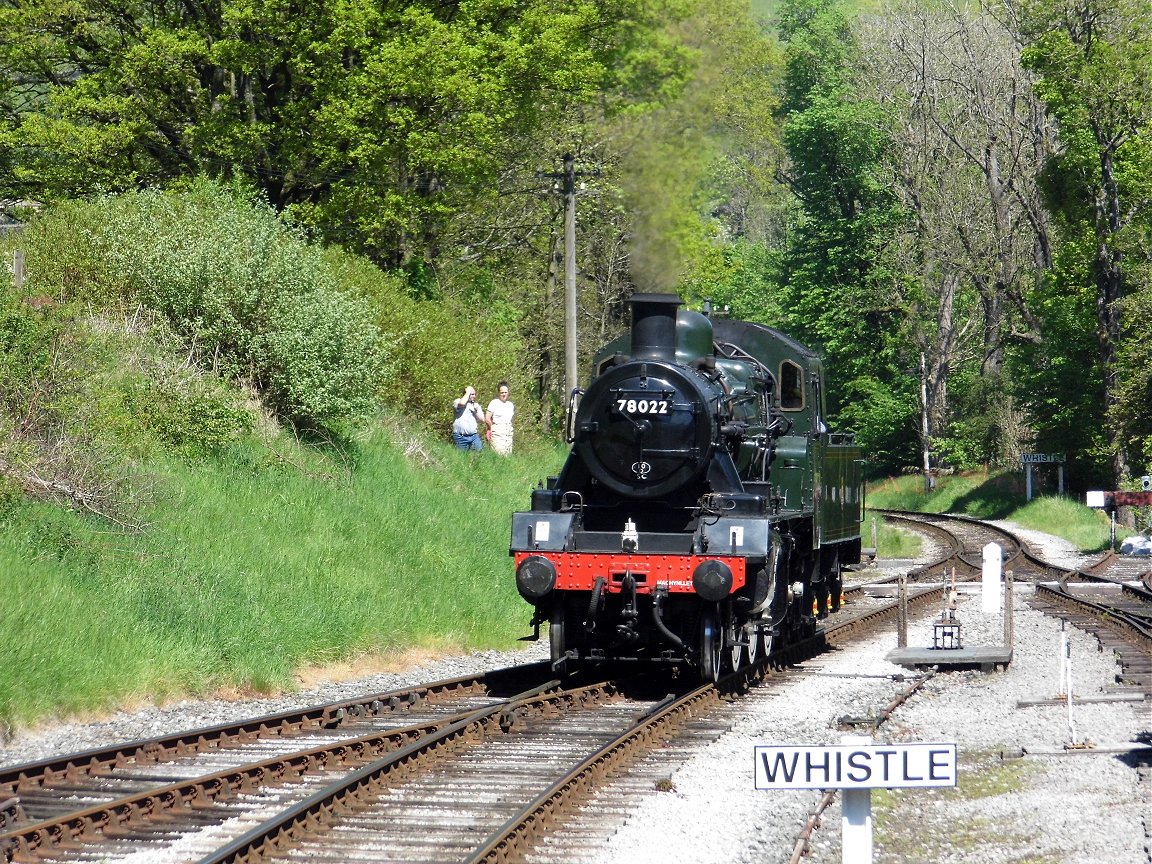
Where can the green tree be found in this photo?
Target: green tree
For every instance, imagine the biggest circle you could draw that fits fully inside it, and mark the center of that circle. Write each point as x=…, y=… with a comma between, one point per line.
x=839, y=294
x=374, y=123
x=1094, y=62
x=250, y=299
x=968, y=142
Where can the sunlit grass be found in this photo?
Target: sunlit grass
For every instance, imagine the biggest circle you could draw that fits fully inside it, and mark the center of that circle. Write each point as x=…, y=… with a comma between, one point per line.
x=889, y=540
x=979, y=494
x=1083, y=527
x=995, y=496
x=252, y=569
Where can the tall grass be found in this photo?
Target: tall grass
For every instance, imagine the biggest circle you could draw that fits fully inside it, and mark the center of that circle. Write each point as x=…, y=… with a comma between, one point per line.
x=1083, y=527
x=252, y=568
x=979, y=494
x=889, y=541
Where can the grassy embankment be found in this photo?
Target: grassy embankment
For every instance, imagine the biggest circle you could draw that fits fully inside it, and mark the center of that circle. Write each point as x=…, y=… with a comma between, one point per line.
x=153, y=361
x=252, y=569
x=987, y=496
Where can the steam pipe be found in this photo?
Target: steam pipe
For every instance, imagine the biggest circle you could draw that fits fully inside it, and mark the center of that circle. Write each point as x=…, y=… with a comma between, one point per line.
x=657, y=601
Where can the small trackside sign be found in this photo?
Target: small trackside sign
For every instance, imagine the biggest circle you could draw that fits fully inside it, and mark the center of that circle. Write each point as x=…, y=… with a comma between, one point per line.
x=856, y=766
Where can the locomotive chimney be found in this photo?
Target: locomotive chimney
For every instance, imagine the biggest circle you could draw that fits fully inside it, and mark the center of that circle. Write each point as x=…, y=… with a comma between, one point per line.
x=654, y=326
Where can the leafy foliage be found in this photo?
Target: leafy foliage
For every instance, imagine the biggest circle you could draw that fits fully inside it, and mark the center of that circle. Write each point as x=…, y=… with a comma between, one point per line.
x=837, y=287
x=25, y=349
x=190, y=414
x=66, y=434
x=439, y=344
x=1094, y=62
x=371, y=122
x=252, y=300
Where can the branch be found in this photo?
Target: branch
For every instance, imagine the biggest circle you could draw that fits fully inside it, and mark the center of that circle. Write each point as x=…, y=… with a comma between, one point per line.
x=92, y=501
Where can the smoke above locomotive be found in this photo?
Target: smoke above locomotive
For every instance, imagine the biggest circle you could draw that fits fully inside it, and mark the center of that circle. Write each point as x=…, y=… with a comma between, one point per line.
x=705, y=511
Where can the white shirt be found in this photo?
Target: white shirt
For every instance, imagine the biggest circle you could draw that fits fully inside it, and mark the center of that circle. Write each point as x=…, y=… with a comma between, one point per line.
x=467, y=416
x=501, y=411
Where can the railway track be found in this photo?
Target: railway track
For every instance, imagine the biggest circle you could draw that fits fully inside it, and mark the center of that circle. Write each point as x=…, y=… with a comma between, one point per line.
x=472, y=769
x=964, y=539
x=245, y=791
x=1111, y=598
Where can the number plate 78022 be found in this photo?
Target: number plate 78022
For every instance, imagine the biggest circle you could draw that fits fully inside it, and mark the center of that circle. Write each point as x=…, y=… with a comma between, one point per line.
x=644, y=405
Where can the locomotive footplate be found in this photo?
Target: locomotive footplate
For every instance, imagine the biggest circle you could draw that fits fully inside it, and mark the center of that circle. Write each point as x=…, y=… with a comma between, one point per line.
x=578, y=571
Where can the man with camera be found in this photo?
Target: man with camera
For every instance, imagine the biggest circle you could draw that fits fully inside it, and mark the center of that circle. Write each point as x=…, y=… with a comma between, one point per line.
x=465, y=428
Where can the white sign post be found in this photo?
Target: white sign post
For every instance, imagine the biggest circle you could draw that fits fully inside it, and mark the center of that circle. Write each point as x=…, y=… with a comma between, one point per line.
x=856, y=817
x=1030, y=459
x=856, y=766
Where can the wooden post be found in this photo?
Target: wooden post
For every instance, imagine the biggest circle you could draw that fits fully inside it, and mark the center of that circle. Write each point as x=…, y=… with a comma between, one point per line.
x=571, y=375
x=902, y=612
x=18, y=269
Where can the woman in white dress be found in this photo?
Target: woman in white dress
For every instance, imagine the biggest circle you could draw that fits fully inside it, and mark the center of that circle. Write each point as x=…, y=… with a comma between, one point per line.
x=499, y=417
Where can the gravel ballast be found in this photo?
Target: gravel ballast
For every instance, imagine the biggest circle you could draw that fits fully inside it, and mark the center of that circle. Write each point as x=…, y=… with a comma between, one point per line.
x=1080, y=808
x=1050, y=805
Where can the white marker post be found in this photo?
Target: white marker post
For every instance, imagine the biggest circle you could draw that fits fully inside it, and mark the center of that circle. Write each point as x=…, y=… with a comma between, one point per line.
x=990, y=579
x=1073, y=736
x=856, y=767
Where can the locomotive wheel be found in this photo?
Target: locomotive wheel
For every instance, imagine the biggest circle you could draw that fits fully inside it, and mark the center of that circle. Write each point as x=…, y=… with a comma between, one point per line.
x=711, y=647
x=737, y=652
x=736, y=655
x=752, y=637
x=556, y=641
x=835, y=585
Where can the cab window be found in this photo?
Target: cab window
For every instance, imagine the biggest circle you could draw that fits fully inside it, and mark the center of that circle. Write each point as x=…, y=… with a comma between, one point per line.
x=791, y=386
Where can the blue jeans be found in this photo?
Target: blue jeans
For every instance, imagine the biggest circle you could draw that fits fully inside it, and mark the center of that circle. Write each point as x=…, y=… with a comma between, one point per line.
x=468, y=442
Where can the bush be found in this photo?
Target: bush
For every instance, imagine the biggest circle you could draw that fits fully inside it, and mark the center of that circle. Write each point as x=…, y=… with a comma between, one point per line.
x=322, y=359
x=251, y=298
x=190, y=415
x=25, y=350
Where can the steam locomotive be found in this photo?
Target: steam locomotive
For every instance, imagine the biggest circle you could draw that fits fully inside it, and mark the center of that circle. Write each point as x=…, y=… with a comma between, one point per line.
x=705, y=511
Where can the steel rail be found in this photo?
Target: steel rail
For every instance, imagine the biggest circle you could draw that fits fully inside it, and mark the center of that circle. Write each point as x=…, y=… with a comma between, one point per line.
x=86, y=825
x=1136, y=629
x=70, y=767
x=325, y=806
x=32, y=841
x=519, y=833
x=1019, y=556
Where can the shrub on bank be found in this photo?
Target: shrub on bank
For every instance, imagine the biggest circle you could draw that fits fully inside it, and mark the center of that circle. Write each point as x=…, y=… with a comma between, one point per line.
x=440, y=345
x=251, y=299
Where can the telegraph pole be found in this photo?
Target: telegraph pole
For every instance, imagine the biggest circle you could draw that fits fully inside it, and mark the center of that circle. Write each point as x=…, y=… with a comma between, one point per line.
x=925, y=436
x=571, y=373
x=567, y=179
